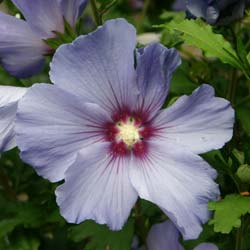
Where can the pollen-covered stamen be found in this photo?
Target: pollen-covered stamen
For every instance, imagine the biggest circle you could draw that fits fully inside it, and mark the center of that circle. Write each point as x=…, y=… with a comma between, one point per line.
x=128, y=132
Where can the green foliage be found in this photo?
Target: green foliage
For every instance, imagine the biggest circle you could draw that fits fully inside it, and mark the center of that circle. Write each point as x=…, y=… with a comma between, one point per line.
x=68, y=36
x=170, y=15
x=243, y=173
x=207, y=235
x=239, y=155
x=227, y=212
x=100, y=237
x=201, y=35
x=181, y=84
x=242, y=53
x=243, y=116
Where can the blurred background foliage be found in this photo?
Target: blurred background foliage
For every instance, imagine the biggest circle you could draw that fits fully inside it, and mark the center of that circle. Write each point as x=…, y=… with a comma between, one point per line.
x=29, y=216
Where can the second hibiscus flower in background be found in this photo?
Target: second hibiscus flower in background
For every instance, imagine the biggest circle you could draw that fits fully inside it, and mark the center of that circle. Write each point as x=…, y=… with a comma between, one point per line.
x=22, y=45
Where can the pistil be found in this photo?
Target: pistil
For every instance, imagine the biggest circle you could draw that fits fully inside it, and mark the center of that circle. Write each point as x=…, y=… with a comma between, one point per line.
x=128, y=132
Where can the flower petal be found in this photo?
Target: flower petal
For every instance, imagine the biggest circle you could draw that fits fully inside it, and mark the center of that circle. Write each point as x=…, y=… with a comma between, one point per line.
x=179, y=182
x=200, y=122
x=9, y=97
x=202, y=9
x=72, y=9
x=179, y=5
x=9, y=94
x=52, y=126
x=197, y=7
x=206, y=246
x=164, y=236
x=21, y=50
x=155, y=65
x=99, y=67
x=43, y=16
x=97, y=187
x=212, y=14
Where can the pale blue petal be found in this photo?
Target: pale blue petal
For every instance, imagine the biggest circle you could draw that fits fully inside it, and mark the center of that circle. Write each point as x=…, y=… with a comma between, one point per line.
x=179, y=182
x=21, y=50
x=206, y=246
x=197, y=7
x=52, y=126
x=164, y=236
x=9, y=97
x=155, y=66
x=200, y=122
x=212, y=14
x=179, y=5
x=97, y=187
x=72, y=10
x=99, y=67
x=43, y=16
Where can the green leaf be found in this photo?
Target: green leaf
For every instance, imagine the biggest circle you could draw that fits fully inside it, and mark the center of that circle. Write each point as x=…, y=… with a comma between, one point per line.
x=239, y=155
x=201, y=35
x=7, y=79
x=177, y=16
x=180, y=83
x=242, y=53
x=53, y=43
x=61, y=38
x=243, y=56
x=100, y=237
x=148, y=209
x=228, y=212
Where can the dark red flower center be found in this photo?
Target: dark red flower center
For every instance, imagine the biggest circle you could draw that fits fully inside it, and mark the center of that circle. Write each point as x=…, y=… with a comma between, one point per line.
x=128, y=134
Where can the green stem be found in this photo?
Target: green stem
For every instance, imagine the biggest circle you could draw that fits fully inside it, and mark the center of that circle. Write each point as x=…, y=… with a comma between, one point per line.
x=107, y=8
x=140, y=223
x=95, y=11
x=243, y=101
x=235, y=182
x=238, y=244
x=143, y=15
x=232, y=87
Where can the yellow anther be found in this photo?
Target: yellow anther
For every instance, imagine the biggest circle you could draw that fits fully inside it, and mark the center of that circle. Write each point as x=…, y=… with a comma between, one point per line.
x=128, y=133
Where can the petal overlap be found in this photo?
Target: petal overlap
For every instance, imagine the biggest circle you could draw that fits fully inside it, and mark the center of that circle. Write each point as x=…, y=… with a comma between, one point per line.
x=52, y=126
x=99, y=67
x=155, y=66
x=72, y=10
